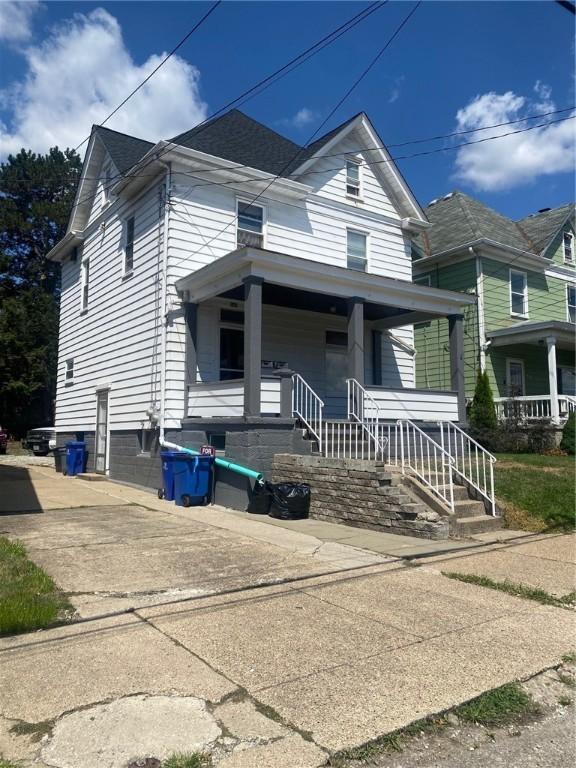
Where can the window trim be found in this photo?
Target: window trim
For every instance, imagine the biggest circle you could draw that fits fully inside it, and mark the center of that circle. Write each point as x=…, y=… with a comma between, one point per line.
x=525, y=312
x=569, y=260
x=367, y=257
x=568, y=305
x=359, y=163
x=84, y=285
x=258, y=204
x=508, y=377
x=132, y=218
x=68, y=368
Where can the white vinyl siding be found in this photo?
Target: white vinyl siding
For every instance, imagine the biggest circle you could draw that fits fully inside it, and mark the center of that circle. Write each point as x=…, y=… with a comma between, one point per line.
x=518, y=293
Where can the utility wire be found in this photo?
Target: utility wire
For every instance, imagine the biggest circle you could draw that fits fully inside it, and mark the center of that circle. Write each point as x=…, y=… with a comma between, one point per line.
x=161, y=64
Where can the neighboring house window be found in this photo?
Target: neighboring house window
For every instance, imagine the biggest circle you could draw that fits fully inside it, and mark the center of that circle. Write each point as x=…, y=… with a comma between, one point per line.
x=518, y=293
x=356, y=250
x=571, y=302
x=128, y=245
x=250, y=231
x=85, y=283
x=515, y=378
x=69, y=370
x=422, y=280
x=568, y=246
x=353, y=177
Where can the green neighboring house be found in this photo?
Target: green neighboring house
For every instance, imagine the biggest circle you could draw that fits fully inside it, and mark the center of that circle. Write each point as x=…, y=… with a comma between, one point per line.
x=521, y=330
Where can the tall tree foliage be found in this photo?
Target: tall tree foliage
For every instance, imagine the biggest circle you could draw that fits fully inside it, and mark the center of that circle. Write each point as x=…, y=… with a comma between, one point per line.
x=36, y=196
x=483, y=411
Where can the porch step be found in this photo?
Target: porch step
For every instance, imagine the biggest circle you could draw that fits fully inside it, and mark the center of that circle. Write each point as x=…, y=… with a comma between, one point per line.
x=468, y=526
x=466, y=507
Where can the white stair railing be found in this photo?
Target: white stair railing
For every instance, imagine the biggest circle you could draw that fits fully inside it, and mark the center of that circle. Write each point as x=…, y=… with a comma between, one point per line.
x=349, y=440
x=308, y=407
x=472, y=462
x=363, y=409
x=422, y=456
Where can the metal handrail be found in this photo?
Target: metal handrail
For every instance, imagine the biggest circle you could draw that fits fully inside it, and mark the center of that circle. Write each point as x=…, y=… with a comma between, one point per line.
x=357, y=396
x=470, y=462
x=430, y=462
x=308, y=407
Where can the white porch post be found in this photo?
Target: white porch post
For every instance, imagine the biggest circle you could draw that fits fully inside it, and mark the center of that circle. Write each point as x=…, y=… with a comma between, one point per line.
x=553, y=380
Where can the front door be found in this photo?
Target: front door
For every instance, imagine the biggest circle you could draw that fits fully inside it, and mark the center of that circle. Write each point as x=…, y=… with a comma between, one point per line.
x=515, y=378
x=336, y=374
x=101, y=443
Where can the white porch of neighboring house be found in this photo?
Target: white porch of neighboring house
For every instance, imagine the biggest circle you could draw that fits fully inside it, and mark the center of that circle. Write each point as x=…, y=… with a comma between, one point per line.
x=302, y=329
x=553, y=405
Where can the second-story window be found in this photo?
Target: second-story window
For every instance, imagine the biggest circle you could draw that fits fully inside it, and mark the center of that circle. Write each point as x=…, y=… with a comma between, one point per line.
x=571, y=302
x=353, y=177
x=69, y=371
x=356, y=250
x=568, y=247
x=250, y=230
x=85, y=284
x=128, y=245
x=518, y=293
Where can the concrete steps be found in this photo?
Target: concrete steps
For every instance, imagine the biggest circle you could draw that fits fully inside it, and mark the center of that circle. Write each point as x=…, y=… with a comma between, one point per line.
x=469, y=526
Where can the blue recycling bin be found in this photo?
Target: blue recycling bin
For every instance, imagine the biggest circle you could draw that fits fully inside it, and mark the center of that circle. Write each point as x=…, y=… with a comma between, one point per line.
x=75, y=457
x=169, y=461
x=192, y=479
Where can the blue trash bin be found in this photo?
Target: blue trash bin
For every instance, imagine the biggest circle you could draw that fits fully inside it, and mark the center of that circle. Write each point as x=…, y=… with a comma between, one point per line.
x=168, y=465
x=75, y=457
x=192, y=479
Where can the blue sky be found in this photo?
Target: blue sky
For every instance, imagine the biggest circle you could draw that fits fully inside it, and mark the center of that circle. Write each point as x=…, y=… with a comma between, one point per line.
x=455, y=65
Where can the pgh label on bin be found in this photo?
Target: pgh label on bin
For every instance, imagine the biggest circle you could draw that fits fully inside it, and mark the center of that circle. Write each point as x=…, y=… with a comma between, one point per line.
x=207, y=450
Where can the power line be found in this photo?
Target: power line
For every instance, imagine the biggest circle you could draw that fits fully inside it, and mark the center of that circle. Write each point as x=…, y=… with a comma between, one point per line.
x=161, y=64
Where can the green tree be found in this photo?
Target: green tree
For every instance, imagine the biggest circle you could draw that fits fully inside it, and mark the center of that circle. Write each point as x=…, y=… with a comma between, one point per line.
x=482, y=411
x=36, y=196
x=568, y=442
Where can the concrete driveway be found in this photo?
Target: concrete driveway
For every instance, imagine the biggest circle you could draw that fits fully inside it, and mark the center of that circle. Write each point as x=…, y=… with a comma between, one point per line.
x=263, y=674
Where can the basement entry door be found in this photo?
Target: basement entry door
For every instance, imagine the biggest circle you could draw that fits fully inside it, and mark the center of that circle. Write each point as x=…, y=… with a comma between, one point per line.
x=101, y=446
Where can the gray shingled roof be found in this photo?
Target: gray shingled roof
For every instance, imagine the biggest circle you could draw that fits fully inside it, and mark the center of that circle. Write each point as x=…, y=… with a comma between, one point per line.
x=458, y=219
x=124, y=150
x=542, y=227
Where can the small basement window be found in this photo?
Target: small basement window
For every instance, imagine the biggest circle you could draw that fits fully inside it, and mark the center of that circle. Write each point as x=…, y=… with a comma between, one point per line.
x=250, y=230
x=568, y=246
x=146, y=438
x=217, y=440
x=353, y=179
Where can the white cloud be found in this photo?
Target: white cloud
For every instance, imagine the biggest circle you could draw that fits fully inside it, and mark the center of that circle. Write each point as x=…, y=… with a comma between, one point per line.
x=80, y=73
x=514, y=160
x=16, y=20
x=302, y=118
x=396, y=89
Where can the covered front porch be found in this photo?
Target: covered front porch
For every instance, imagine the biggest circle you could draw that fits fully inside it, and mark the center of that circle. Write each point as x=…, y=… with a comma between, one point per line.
x=270, y=335
x=534, y=368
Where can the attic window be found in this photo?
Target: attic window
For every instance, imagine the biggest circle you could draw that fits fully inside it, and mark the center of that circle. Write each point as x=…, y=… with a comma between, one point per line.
x=353, y=180
x=106, y=183
x=250, y=231
x=568, y=246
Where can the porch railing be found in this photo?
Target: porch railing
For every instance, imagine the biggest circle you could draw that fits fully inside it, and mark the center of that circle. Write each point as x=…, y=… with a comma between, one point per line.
x=431, y=463
x=364, y=410
x=532, y=407
x=473, y=463
x=349, y=440
x=308, y=407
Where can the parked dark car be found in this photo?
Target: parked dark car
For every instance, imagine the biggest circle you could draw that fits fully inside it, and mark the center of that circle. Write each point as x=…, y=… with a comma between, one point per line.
x=3, y=441
x=40, y=441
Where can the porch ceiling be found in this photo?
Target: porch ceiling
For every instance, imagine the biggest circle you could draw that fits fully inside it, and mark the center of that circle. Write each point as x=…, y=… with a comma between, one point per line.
x=534, y=333
x=305, y=284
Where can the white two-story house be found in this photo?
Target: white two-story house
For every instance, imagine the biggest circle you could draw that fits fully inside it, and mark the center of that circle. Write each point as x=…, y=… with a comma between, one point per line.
x=231, y=287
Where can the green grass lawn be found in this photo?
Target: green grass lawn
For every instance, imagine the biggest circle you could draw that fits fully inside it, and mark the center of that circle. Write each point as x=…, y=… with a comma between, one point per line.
x=537, y=492
x=29, y=599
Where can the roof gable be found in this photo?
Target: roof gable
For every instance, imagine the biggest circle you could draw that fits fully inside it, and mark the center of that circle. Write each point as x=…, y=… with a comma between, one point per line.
x=543, y=227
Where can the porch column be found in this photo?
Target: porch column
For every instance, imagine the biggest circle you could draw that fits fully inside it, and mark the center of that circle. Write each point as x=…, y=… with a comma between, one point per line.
x=190, y=348
x=553, y=380
x=356, y=339
x=456, y=336
x=252, y=344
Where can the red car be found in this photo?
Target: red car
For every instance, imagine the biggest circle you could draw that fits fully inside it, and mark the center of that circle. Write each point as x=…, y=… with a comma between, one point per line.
x=3, y=441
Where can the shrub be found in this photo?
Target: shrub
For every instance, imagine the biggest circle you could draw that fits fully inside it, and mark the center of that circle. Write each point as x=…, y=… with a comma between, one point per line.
x=482, y=411
x=568, y=442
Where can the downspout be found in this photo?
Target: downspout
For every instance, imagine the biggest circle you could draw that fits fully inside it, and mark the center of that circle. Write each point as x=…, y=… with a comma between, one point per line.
x=230, y=465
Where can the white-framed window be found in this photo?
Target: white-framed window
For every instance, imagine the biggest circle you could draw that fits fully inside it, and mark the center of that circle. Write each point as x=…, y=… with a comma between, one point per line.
x=571, y=303
x=128, y=245
x=356, y=250
x=354, y=177
x=69, y=371
x=515, y=380
x=106, y=183
x=85, y=284
x=518, y=293
x=568, y=243
x=251, y=224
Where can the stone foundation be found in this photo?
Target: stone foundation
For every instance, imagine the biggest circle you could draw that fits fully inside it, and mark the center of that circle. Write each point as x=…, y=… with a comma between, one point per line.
x=360, y=494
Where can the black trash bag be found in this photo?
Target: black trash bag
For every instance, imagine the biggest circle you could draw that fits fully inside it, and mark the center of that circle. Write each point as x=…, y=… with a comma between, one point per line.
x=260, y=499
x=290, y=501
